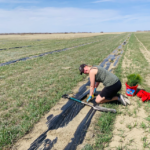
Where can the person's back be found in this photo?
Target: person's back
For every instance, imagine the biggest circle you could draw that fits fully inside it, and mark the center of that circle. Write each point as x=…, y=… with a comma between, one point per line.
x=104, y=76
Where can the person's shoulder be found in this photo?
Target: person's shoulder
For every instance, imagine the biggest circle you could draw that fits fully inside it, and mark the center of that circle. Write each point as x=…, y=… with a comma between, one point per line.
x=93, y=71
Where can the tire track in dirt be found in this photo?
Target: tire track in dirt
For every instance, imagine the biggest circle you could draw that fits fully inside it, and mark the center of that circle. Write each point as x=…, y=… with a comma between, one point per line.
x=63, y=135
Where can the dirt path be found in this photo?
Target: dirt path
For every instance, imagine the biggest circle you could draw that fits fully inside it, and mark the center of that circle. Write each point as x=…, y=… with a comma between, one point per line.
x=144, y=50
x=65, y=134
x=131, y=128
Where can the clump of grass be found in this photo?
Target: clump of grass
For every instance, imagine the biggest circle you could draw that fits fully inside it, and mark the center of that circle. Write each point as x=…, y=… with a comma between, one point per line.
x=87, y=147
x=146, y=143
x=105, y=126
x=143, y=125
x=129, y=126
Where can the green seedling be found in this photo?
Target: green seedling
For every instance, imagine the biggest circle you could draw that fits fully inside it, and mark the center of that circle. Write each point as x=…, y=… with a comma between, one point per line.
x=135, y=124
x=148, y=118
x=139, y=104
x=87, y=147
x=131, y=141
x=135, y=112
x=129, y=126
x=145, y=144
x=143, y=125
x=121, y=148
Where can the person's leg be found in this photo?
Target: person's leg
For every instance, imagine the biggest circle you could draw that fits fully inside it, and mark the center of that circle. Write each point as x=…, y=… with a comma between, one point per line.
x=101, y=100
x=109, y=94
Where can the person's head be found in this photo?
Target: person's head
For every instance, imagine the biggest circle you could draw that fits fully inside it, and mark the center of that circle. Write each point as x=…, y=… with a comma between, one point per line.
x=84, y=69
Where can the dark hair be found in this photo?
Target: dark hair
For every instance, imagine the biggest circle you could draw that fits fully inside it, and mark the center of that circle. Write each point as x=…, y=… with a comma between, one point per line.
x=81, y=68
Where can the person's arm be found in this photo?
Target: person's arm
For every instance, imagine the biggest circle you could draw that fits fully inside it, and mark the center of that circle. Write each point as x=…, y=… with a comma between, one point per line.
x=97, y=84
x=92, y=80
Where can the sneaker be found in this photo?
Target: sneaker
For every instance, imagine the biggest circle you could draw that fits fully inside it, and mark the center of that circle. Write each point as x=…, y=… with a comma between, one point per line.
x=122, y=101
x=126, y=99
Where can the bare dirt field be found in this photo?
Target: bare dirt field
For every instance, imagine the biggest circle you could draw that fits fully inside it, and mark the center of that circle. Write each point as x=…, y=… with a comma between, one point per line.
x=53, y=36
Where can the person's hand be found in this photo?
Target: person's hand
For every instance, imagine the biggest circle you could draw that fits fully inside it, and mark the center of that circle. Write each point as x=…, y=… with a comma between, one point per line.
x=90, y=98
x=94, y=90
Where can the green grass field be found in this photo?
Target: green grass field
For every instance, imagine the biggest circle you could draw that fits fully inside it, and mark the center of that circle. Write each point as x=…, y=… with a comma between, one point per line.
x=38, y=47
x=28, y=89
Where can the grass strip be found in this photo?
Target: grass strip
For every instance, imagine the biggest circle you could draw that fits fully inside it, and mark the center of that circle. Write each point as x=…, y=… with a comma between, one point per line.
x=104, y=126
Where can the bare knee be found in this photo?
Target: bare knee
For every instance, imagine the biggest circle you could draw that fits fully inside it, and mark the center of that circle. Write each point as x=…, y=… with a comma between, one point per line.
x=99, y=99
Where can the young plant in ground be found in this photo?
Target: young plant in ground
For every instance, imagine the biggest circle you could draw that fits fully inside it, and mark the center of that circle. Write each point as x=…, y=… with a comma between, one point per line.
x=139, y=104
x=135, y=112
x=129, y=126
x=135, y=124
x=143, y=125
x=121, y=148
x=148, y=118
x=87, y=147
x=145, y=144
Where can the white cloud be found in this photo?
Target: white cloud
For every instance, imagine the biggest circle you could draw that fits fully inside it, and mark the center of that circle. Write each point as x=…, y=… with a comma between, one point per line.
x=52, y=19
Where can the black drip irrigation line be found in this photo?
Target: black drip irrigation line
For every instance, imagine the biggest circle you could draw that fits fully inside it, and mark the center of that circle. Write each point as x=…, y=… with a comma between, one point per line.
x=112, y=57
x=115, y=63
x=114, y=51
x=120, y=47
x=70, y=110
x=107, y=65
x=40, y=55
x=3, y=49
x=15, y=47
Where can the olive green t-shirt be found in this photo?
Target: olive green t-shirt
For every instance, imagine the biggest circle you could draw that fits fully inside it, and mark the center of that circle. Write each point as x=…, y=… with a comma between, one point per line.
x=104, y=76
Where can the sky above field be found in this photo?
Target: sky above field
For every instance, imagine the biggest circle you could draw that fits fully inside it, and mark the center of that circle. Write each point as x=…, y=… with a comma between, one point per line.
x=17, y=16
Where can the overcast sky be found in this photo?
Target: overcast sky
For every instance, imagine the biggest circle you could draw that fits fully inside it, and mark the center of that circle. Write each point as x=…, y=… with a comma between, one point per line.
x=17, y=16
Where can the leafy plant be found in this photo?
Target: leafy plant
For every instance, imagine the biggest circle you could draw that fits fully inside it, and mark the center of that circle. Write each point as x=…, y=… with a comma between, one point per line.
x=134, y=79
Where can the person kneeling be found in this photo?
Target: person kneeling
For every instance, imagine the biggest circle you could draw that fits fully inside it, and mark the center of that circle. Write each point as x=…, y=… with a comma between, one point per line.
x=110, y=81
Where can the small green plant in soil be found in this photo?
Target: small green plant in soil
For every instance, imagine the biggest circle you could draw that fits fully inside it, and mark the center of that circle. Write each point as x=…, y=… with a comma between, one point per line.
x=134, y=79
x=143, y=125
x=87, y=147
